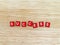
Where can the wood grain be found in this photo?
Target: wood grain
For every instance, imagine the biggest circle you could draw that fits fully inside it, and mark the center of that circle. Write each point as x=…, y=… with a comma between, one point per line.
x=25, y=10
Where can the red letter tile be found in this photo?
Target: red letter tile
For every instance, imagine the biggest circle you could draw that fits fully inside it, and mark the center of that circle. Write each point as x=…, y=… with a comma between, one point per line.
x=47, y=24
x=17, y=23
x=23, y=24
x=12, y=23
x=30, y=23
x=35, y=25
x=41, y=24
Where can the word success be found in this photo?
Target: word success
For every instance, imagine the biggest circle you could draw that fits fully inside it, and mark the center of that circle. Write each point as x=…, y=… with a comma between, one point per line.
x=30, y=24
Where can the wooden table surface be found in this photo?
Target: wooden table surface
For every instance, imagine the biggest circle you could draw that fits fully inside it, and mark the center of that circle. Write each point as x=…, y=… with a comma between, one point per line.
x=25, y=10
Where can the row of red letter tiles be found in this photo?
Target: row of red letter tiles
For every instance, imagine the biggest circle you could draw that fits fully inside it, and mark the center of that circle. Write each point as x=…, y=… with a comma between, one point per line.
x=30, y=24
